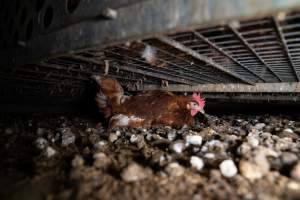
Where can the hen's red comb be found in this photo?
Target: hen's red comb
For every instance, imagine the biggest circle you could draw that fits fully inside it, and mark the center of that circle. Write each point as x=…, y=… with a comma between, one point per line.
x=199, y=100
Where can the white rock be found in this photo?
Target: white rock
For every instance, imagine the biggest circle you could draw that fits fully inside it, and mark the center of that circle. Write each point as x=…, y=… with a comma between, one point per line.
x=100, y=144
x=260, y=126
x=101, y=160
x=210, y=156
x=296, y=172
x=261, y=160
x=162, y=159
x=293, y=185
x=68, y=138
x=239, y=120
x=77, y=161
x=204, y=148
x=288, y=130
x=118, y=133
x=268, y=152
x=174, y=169
x=178, y=147
x=149, y=137
x=250, y=170
x=194, y=140
x=214, y=143
x=99, y=156
x=228, y=168
x=243, y=149
x=113, y=137
x=133, y=172
x=50, y=152
x=252, y=141
x=133, y=138
x=172, y=135
x=197, y=162
x=41, y=143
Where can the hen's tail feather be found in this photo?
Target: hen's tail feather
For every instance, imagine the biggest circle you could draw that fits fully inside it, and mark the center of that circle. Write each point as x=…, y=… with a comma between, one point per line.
x=110, y=94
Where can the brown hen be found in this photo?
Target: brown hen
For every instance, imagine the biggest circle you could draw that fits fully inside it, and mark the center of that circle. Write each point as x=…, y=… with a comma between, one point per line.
x=146, y=108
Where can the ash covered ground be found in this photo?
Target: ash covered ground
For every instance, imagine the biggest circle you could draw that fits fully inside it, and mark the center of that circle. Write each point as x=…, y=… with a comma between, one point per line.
x=226, y=157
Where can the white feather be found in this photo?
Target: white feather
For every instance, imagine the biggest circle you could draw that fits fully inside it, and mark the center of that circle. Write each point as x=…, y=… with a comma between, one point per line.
x=149, y=54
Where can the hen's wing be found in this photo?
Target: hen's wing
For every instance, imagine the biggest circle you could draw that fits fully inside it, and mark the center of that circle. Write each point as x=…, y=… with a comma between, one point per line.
x=151, y=104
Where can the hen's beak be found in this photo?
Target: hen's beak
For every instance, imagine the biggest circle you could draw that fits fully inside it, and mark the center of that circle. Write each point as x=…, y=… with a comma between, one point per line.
x=202, y=111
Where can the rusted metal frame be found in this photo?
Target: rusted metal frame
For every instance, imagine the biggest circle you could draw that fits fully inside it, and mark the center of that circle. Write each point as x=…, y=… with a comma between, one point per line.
x=193, y=53
x=56, y=76
x=62, y=61
x=156, y=75
x=161, y=70
x=171, y=63
x=227, y=55
x=65, y=81
x=168, y=71
x=34, y=79
x=183, y=68
x=285, y=46
x=241, y=38
x=168, y=62
x=183, y=60
x=201, y=73
x=140, y=71
x=58, y=67
x=36, y=83
x=232, y=88
x=95, y=62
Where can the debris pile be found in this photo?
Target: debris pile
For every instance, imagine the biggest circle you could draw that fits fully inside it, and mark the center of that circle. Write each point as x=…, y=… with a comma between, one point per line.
x=229, y=157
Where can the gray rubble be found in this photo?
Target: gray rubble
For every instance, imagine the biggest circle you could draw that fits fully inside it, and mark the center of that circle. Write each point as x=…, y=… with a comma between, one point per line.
x=225, y=157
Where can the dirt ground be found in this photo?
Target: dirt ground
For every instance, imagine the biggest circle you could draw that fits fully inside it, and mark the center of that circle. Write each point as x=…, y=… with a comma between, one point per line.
x=224, y=157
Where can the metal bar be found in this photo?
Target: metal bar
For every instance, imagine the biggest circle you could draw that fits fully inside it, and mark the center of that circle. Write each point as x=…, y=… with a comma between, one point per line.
x=282, y=38
x=193, y=53
x=227, y=55
x=256, y=31
x=232, y=88
x=254, y=23
x=241, y=38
